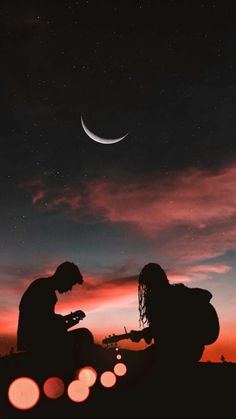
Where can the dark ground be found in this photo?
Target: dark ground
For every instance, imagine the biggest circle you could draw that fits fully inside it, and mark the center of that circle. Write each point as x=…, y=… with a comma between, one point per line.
x=147, y=389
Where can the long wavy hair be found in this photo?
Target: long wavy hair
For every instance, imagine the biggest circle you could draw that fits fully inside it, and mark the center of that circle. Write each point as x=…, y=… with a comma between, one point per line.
x=151, y=279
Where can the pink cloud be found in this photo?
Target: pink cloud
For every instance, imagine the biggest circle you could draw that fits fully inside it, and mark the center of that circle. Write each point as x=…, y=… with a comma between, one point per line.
x=68, y=198
x=193, y=245
x=197, y=199
x=217, y=268
x=38, y=196
x=189, y=217
x=197, y=273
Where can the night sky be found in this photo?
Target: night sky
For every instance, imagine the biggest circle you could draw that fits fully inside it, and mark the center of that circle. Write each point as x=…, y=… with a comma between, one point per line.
x=165, y=73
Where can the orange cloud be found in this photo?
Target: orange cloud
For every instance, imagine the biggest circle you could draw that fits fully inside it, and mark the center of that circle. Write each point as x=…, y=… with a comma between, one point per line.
x=99, y=297
x=98, y=294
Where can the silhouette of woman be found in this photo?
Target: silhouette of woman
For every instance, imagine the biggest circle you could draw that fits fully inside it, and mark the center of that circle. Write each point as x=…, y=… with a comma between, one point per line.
x=180, y=319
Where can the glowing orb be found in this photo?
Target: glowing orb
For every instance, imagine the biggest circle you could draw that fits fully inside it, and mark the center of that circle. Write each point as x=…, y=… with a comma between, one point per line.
x=23, y=393
x=108, y=379
x=120, y=369
x=54, y=387
x=118, y=356
x=88, y=375
x=78, y=391
x=117, y=349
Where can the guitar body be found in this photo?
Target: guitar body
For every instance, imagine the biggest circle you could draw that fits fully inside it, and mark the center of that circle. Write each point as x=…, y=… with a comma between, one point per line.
x=115, y=338
x=210, y=325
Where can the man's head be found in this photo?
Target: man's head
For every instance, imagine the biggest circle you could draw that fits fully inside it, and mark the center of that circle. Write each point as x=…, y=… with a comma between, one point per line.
x=66, y=276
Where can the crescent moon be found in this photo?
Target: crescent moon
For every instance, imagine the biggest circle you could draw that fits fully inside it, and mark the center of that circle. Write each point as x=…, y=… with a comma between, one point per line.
x=98, y=139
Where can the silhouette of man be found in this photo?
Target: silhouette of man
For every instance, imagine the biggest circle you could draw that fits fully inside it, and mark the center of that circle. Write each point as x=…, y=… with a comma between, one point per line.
x=40, y=329
x=180, y=319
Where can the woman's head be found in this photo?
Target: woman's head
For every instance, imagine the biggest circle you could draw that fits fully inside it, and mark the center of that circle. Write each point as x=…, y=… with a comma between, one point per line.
x=153, y=276
x=152, y=281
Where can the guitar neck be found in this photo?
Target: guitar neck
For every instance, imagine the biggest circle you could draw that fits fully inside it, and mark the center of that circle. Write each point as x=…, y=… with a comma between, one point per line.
x=116, y=338
x=123, y=336
x=72, y=319
x=145, y=333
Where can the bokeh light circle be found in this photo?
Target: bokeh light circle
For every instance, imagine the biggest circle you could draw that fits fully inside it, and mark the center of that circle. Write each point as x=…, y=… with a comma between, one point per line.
x=118, y=356
x=78, y=391
x=23, y=393
x=108, y=379
x=117, y=349
x=88, y=375
x=54, y=387
x=120, y=369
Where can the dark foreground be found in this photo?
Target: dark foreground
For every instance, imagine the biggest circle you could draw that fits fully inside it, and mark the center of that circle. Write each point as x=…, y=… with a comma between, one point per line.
x=147, y=389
